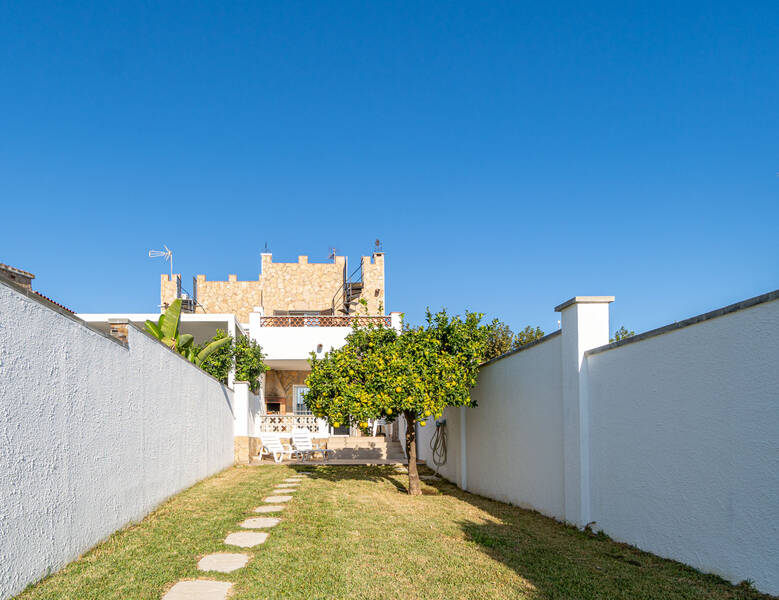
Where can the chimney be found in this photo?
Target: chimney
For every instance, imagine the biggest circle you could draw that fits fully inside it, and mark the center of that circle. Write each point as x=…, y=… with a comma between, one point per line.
x=19, y=277
x=118, y=329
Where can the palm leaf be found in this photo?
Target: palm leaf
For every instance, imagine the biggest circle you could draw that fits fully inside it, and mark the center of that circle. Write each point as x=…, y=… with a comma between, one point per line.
x=210, y=349
x=185, y=340
x=153, y=329
x=170, y=324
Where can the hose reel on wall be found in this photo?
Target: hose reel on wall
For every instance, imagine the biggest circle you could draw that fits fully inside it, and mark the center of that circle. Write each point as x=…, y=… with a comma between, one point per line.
x=438, y=444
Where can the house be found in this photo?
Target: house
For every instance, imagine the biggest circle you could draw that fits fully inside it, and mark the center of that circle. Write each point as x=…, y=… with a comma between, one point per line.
x=291, y=310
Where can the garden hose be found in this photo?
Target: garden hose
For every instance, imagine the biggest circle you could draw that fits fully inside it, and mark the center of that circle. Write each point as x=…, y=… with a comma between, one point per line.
x=438, y=445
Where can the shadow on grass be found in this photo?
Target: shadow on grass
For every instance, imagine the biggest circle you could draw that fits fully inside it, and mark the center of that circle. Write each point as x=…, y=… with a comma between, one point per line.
x=559, y=561
x=375, y=473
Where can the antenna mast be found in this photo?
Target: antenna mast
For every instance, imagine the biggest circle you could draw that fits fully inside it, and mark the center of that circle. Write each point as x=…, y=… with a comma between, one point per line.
x=167, y=254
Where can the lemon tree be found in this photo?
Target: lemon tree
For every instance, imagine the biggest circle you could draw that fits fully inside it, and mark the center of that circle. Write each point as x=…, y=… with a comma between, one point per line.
x=380, y=373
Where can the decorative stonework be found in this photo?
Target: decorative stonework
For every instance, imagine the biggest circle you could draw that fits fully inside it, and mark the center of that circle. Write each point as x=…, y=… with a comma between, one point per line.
x=283, y=287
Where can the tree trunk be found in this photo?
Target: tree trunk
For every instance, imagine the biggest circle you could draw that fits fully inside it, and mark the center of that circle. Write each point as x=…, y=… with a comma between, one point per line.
x=414, y=487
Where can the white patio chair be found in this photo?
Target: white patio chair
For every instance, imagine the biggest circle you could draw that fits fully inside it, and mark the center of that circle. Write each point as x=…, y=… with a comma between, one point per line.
x=271, y=444
x=303, y=444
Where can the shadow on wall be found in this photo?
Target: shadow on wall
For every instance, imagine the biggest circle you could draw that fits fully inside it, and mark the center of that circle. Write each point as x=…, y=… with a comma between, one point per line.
x=559, y=561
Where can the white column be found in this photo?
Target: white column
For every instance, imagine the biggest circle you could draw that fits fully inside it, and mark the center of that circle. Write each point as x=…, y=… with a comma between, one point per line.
x=585, y=325
x=241, y=407
x=396, y=320
x=231, y=332
x=463, y=449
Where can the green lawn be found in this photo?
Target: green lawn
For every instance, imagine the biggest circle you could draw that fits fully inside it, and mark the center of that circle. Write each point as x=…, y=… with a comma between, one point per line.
x=352, y=532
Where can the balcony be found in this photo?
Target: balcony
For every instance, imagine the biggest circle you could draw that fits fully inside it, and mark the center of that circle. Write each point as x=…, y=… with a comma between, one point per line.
x=289, y=340
x=323, y=321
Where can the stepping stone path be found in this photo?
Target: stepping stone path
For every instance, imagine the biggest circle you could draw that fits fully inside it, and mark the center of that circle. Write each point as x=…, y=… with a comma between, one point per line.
x=269, y=508
x=201, y=589
x=246, y=539
x=227, y=562
x=260, y=522
x=224, y=562
x=430, y=477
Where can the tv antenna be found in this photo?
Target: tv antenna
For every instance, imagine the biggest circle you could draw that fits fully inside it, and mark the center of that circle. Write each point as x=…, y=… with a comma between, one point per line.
x=167, y=254
x=332, y=253
x=377, y=247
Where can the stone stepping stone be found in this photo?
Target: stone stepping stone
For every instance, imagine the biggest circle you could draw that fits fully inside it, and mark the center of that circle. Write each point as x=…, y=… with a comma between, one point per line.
x=287, y=485
x=293, y=479
x=260, y=522
x=200, y=589
x=284, y=491
x=430, y=477
x=246, y=539
x=269, y=508
x=274, y=499
x=224, y=562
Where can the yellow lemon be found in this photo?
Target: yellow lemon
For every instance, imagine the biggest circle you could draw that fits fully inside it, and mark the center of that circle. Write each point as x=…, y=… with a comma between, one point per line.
x=336, y=424
x=398, y=390
x=423, y=423
x=427, y=413
x=389, y=411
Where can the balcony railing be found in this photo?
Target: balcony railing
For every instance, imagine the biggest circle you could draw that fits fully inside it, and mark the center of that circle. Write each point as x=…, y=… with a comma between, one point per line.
x=323, y=321
x=286, y=423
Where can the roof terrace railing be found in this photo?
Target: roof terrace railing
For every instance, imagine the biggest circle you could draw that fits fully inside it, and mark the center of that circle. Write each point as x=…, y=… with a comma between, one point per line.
x=323, y=321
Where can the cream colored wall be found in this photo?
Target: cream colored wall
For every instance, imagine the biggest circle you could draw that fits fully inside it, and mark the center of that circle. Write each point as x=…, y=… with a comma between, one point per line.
x=169, y=288
x=280, y=383
x=301, y=285
x=231, y=296
x=283, y=287
x=373, y=284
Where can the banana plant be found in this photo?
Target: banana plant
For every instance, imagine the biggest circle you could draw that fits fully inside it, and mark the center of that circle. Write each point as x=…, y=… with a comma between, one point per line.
x=166, y=330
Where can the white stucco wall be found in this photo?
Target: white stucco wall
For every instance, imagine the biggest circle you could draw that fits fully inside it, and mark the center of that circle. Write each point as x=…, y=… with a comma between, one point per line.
x=667, y=441
x=285, y=343
x=515, y=434
x=451, y=468
x=93, y=434
x=684, y=431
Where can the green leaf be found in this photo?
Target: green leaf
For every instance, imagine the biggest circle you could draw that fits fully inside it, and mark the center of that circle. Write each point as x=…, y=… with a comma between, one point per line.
x=170, y=324
x=210, y=349
x=153, y=329
x=185, y=340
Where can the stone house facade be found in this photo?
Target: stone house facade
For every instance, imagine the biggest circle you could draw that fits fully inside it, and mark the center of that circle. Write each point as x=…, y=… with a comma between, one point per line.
x=318, y=297
x=290, y=288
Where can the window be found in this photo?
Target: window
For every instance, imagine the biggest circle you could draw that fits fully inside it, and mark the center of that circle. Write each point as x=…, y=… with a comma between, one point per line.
x=299, y=405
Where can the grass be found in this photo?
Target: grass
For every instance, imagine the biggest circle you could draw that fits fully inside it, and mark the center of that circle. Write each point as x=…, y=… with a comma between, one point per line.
x=352, y=532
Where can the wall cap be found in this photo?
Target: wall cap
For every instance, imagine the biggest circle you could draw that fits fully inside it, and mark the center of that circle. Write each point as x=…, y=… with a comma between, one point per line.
x=719, y=312
x=53, y=306
x=584, y=300
x=522, y=348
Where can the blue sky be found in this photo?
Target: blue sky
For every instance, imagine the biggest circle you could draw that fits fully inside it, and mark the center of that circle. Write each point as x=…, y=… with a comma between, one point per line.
x=507, y=155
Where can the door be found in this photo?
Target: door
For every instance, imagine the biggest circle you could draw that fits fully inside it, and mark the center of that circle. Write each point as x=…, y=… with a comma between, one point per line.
x=298, y=403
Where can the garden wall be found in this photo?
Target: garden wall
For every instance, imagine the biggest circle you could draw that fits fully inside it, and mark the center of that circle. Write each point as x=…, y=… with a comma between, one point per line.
x=666, y=441
x=94, y=433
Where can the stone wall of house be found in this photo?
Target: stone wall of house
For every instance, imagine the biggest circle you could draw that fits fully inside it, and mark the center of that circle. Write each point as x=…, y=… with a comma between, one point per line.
x=301, y=285
x=373, y=284
x=281, y=287
x=278, y=386
x=170, y=289
x=231, y=296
